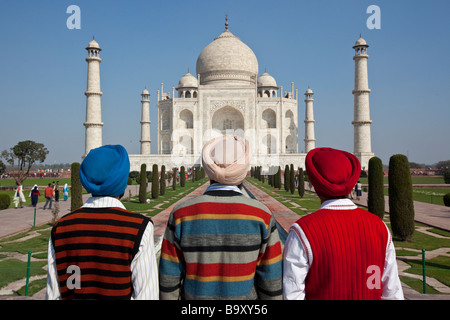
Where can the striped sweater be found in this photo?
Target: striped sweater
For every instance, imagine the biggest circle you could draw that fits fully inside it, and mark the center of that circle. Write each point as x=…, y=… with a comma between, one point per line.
x=101, y=242
x=221, y=245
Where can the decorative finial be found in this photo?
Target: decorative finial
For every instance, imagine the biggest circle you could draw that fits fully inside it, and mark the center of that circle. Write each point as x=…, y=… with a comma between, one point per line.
x=188, y=69
x=226, y=21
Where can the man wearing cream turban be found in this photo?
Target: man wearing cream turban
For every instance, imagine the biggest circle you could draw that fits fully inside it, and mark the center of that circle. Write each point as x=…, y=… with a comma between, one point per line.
x=108, y=250
x=340, y=251
x=222, y=244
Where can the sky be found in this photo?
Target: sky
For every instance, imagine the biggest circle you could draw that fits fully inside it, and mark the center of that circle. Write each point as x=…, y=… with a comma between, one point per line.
x=43, y=70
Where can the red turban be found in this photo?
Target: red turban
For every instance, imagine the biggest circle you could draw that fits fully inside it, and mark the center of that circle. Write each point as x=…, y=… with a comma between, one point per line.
x=332, y=172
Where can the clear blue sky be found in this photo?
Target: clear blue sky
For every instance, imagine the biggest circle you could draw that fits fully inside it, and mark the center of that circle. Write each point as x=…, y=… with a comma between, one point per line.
x=43, y=69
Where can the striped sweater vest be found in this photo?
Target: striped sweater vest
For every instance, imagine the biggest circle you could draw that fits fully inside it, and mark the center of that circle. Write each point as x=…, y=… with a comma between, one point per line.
x=100, y=243
x=348, y=252
x=225, y=247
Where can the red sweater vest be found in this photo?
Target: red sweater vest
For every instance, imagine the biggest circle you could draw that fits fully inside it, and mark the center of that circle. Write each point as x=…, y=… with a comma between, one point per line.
x=348, y=249
x=101, y=242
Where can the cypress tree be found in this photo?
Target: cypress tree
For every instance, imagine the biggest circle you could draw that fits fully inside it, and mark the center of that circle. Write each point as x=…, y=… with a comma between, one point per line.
x=301, y=182
x=182, y=176
x=292, y=179
x=174, y=179
x=376, y=187
x=143, y=184
x=162, y=181
x=279, y=178
x=401, y=206
x=76, y=196
x=286, y=178
x=155, y=182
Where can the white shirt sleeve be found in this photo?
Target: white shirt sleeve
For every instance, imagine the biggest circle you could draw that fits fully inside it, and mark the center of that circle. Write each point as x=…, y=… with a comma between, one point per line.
x=392, y=287
x=52, y=292
x=295, y=266
x=144, y=269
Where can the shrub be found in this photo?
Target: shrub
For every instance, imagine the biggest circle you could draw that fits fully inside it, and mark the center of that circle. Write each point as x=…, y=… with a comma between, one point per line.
x=292, y=179
x=76, y=197
x=447, y=176
x=401, y=206
x=174, y=180
x=182, y=176
x=301, y=182
x=5, y=201
x=376, y=187
x=286, y=178
x=143, y=184
x=162, y=181
x=447, y=200
x=155, y=180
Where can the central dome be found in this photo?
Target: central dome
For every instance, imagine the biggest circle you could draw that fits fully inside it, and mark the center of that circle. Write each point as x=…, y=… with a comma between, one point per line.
x=227, y=60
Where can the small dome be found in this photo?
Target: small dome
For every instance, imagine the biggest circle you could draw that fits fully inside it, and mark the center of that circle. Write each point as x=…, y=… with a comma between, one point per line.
x=308, y=91
x=93, y=44
x=360, y=42
x=145, y=92
x=188, y=81
x=266, y=80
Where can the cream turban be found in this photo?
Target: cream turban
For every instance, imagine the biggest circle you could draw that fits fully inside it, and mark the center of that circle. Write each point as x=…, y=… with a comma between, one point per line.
x=226, y=159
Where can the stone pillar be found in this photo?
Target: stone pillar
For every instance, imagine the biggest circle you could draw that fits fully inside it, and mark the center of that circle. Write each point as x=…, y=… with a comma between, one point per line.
x=361, y=123
x=93, y=124
x=310, y=140
x=145, y=123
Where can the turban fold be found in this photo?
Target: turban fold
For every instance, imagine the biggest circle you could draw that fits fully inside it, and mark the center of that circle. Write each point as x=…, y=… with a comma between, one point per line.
x=332, y=172
x=226, y=159
x=104, y=171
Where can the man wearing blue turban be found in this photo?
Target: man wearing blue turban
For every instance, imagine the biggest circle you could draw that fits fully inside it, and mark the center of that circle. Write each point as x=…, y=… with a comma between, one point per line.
x=102, y=250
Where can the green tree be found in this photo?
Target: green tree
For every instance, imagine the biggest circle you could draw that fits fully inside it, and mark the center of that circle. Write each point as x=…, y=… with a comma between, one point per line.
x=174, y=179
x=292, y=179
x=286, y=178
x=376, y=187
x=301, y=182
x=76, y=189
x=143, y=184
x=401, y=206
x=182, y=176
x=162, y=181
x=155, y=182
x=26, y=153
x=447, y=176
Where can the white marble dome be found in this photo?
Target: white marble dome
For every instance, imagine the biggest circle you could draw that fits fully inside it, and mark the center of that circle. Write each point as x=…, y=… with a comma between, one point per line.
x=93, y=44
x=188, y=81
x=361, y=42
x=227, y=60
x=266, y=80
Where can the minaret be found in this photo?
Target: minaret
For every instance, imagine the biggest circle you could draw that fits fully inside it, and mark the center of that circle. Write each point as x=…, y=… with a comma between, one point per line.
x=145, y=122
x=93, y=124
x=310, y=141
x=361, y=122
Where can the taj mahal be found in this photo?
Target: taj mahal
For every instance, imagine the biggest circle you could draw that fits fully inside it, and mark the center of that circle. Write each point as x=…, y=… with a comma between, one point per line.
x=226, y=95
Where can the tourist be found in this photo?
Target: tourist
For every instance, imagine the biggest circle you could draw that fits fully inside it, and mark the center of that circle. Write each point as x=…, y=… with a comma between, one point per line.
x=57, y=191
x=19, y=198
x=108, y=250
x=66, y=192
x=34, y=194
x=222, y=244
x=48, y=194
x=358, y=190
x=340, y=251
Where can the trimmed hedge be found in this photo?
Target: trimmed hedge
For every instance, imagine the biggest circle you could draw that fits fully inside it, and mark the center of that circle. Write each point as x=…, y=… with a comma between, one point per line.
x=76, y=197
x=375, y=200
x=5, y=201
x=143, y=184
x=155, y=182
x=401, y=206
x=447, y=200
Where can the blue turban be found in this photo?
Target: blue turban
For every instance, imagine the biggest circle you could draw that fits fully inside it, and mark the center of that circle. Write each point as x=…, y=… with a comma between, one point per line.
x=104, y=171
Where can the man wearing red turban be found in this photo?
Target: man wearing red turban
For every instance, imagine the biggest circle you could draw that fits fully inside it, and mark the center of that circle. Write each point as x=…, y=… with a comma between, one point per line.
x=339, y=252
